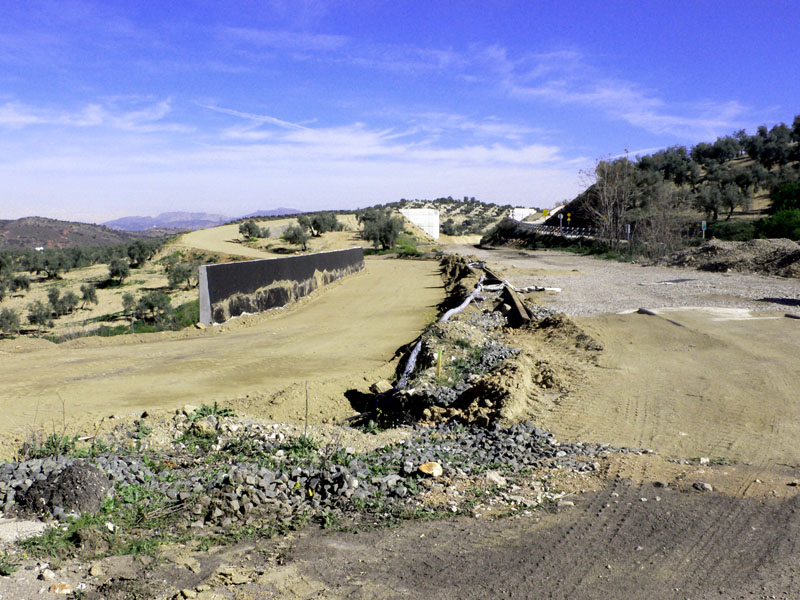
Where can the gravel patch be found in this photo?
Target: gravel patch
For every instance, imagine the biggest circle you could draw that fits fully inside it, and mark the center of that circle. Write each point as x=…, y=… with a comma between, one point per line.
x=592, y=286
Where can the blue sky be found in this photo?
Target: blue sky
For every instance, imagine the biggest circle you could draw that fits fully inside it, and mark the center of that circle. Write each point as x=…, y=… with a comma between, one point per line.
x=133, y=108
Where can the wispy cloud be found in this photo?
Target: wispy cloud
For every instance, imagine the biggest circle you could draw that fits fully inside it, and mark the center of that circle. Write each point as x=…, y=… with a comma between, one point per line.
x=568, y=78
x=148, y=118
x=286, y=40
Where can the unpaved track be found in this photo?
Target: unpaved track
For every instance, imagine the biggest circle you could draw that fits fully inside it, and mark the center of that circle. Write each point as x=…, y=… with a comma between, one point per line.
x=611, y=545
x=346, y=332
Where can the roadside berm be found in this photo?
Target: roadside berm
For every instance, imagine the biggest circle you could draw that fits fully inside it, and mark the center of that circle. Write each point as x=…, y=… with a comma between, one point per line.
x=503, y=355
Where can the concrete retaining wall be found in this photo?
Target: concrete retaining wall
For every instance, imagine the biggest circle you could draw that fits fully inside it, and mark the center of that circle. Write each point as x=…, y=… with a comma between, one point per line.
x=426, y=219
x=230, y=289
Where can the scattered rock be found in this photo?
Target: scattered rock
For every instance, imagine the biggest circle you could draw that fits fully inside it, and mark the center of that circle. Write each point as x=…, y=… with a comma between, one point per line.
x=495, y=478
x=565, y=504
x=380, y=387
x=60, y=588
x=702, y=486
x=96, y=571
x=431, y=469
x=47, y=575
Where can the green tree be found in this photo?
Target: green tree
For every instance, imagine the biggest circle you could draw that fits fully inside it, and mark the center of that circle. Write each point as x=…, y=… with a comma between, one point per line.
x=9, y=321
x=304, y=222
x=88, y=294
x=20, y=282
x=39, y=315
x=180, y=273
x=156, y=303
x=129, y=307
x=53, y=262
x=54, y=298
x=296, y=235
x=382, y=229
x=119, y=269
x=140, y=252
x=68, y=302
x=324, y=222
x=785, y=197
x=250, y=230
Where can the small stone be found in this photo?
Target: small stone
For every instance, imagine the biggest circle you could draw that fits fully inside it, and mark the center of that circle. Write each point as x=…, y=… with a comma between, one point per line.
x=431, y=469
x=60, y=588
x=110, y=526
x=565, y=504
x=239, y=578
x=495, y=478
x=187, y=593
x=794, y=483
x=704, y=460
x=380, y=387
x=660, y=484
x=188, y=409
x=200, y=325
x=96, y=571
x=203, y=428
x=702, y=486
x=203, y=588
x=47, y=575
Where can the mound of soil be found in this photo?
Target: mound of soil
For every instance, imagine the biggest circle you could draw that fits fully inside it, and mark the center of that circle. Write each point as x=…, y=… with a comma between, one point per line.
x=766, y=257
x=77, y=489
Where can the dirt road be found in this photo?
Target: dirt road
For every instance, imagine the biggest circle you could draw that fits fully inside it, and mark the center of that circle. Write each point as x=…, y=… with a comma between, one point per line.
x=345, y=332
x=723, y=385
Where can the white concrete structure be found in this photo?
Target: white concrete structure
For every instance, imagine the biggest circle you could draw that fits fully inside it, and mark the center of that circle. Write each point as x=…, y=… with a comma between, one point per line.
x=519, y=213
x=426, y=219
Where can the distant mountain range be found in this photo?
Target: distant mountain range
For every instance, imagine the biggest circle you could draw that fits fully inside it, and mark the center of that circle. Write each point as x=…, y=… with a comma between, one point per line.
x=187, y=220
x=275, y=212
x=40, y=232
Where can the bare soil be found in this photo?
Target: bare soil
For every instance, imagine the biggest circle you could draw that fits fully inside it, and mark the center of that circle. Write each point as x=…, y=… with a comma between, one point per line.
x=342, y=337
x=713, y=374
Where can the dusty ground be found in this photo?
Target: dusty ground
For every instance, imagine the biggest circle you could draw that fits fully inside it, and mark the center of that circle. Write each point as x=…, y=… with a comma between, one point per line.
x=724, y=386
x=226, y=239
x=721, y=386
x=342, y=337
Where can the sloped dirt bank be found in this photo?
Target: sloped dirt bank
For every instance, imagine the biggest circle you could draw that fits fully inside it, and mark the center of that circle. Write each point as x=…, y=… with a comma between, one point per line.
x=767, y=257
x=474, y=368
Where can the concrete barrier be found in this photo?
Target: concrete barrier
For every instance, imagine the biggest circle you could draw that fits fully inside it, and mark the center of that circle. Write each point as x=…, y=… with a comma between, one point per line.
x=230, y=289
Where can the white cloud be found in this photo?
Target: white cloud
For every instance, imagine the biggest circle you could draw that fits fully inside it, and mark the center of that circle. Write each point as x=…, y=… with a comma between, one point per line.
x=148, y=118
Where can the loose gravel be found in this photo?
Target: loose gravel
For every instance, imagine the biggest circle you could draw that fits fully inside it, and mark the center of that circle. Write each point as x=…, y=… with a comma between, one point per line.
x=256, y=475
x=591, y=286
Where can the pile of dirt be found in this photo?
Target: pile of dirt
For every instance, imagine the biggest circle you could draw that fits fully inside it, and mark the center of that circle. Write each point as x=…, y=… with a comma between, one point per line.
x=77, y=489
x=475, y=369
x=766, y=257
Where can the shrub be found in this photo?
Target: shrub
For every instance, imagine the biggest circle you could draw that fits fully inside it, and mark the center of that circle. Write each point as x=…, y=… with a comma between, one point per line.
x=9, y=321
x=786, y=197
x=783, y=224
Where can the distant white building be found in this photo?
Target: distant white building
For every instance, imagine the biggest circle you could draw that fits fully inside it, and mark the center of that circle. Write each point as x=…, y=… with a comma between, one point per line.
x=426, y=219
x=519, y=213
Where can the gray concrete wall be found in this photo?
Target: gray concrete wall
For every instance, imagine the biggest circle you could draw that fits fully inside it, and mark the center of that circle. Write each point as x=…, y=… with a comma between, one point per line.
x=230, y=289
